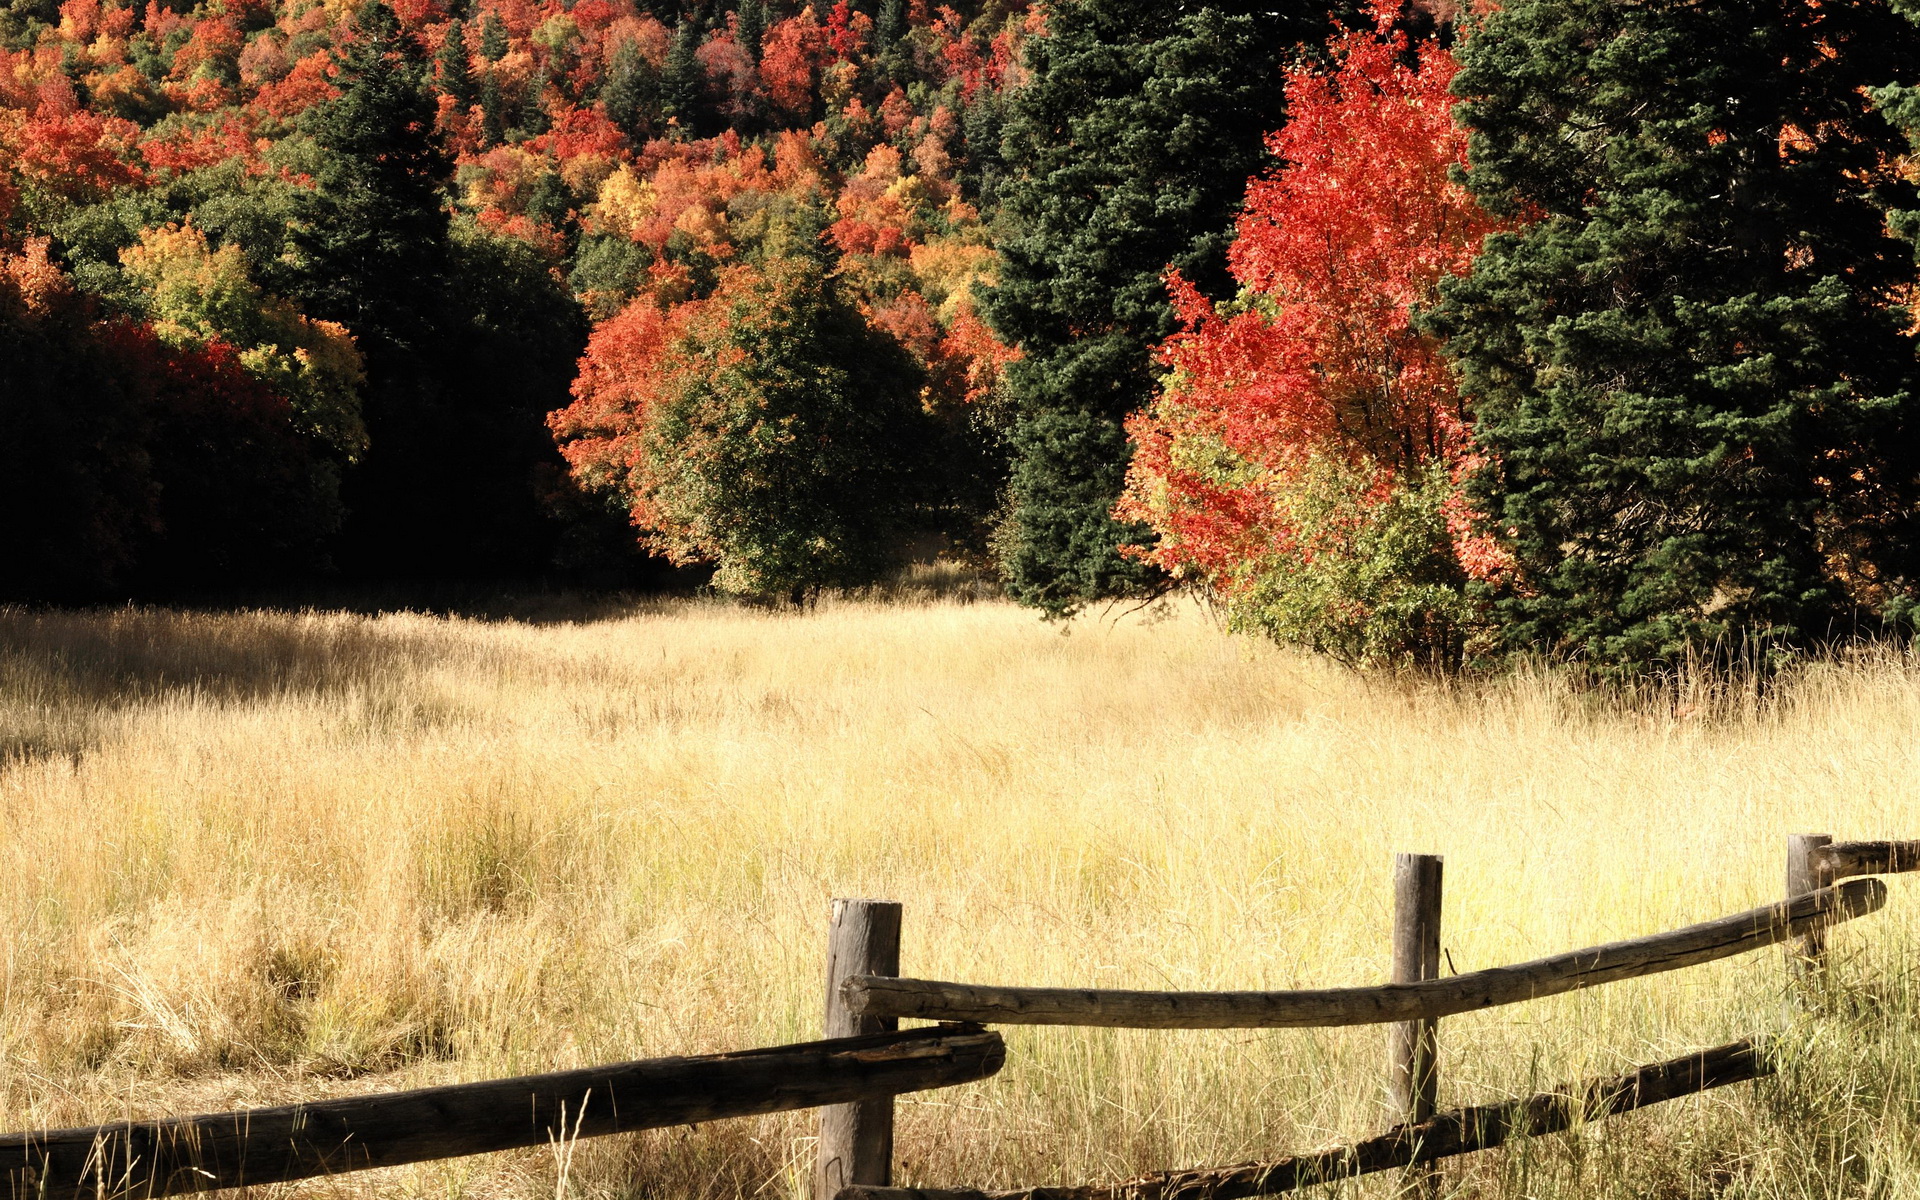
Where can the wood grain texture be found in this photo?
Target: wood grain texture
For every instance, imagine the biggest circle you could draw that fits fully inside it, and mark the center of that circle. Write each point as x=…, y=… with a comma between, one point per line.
x=1413, y=1047
x=135, y=1160
x=1808, y=871
x=1630, y=959
x=1845, y=859
x=856, y=1140
x=1461, y=1131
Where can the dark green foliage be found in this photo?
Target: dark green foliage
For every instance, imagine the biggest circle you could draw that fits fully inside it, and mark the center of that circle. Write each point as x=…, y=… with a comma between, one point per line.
x=1061, y=549
x=680, y=83
x=1689, y=365
x=22, y=20
x=632, y=92
x=794, y=452
x=752, y=29
x=468, y=340
x=532, y=120
x=456, y=72
x=371, y=236
x=493, y=38
x=1127, y=152
x=607, y=270
x=493, y=111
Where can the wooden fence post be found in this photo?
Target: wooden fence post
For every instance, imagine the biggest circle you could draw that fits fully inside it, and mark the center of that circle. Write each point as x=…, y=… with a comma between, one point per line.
x=1412, y=1046
x=1808, y=953
x=856, y=1140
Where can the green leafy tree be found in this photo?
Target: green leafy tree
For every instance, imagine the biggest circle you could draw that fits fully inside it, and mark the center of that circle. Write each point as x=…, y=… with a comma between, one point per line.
x=768, y=431
x=1126, y=152
x=1691, y=366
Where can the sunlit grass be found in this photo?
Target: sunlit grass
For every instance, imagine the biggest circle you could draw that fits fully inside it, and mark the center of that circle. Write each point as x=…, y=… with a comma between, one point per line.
x=256, y=857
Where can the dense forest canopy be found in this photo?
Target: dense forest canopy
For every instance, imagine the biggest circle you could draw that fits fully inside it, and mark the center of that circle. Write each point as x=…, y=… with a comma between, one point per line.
x=1413, y=335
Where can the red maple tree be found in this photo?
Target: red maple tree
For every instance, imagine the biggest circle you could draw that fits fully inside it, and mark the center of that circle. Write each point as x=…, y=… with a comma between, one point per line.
x=1320, y=360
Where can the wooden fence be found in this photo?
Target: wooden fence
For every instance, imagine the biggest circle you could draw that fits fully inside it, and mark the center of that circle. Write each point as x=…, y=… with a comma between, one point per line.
x=866, y=1061
x=855, y=1147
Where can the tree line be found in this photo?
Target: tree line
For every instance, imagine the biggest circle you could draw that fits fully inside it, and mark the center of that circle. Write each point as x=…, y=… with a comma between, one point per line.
x=1413, y=336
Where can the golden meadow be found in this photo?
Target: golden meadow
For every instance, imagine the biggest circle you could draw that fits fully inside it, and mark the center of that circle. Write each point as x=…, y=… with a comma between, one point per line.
x=255, y=857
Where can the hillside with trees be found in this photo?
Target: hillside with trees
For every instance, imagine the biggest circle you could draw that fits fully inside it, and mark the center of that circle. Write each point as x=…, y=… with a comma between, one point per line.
x=1411, y=335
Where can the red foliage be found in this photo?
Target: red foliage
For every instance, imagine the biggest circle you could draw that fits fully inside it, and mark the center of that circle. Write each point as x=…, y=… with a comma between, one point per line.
x=1338, y=246
x=623, y=377
x=185, y=149
x=304, y=86
x=80, y=156
x=791, y=56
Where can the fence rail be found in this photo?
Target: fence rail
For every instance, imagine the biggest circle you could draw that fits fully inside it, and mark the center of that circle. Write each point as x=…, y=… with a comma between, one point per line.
x=1427, y=999
x=1461, y=1131
x=1815, y=902
x=138, y=1160
x=853, y=1076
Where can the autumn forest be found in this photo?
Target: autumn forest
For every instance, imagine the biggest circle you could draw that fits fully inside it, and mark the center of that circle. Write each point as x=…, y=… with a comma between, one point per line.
x=1412, y=335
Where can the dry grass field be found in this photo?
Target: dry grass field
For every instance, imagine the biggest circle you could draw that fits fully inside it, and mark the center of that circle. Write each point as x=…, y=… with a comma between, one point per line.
x=255, y=857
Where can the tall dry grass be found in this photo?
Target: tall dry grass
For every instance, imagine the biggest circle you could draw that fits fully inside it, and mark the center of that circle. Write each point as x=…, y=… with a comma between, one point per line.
x=261, y=856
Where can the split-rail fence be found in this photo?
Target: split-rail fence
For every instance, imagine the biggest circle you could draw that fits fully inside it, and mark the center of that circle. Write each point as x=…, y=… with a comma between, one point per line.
x=866, y=1061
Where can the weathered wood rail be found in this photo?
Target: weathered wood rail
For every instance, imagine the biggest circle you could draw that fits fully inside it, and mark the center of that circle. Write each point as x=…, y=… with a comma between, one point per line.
x=1411, y=1004
x=1842, y=859
x=141, y=1159
x=1461, y=1131
x=1426, y=1000
x=853, y=1076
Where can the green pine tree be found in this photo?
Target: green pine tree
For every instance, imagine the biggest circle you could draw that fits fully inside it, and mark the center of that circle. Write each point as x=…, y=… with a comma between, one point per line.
x=680, y=82
x=632, y=92
x=456, y=72
x=493, y=38
x=1690, y=365
x=532, y=121
x=752, y=29
x=371, y=236
x=1127, y=151
x=493, y=110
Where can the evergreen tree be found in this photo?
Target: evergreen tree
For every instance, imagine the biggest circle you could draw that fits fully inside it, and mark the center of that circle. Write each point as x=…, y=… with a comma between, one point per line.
x=532, y=121
x=456, y=72
x=371, y=235
x=1691, y=368
x=752, y=29
x=493, y=111
x=680, y=82
x=1126, y=152
x=493, y=38
x=632, y=92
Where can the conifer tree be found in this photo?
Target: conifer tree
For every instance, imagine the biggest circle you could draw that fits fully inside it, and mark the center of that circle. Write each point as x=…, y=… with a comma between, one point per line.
x=456, y=73
x=632, y=91
x=1692, y=368
x=371, y=235
x=493, y=110
x=1126, y=152
x=493, y=38
x=752, y=29
x=680, y=82
x=532, y=121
